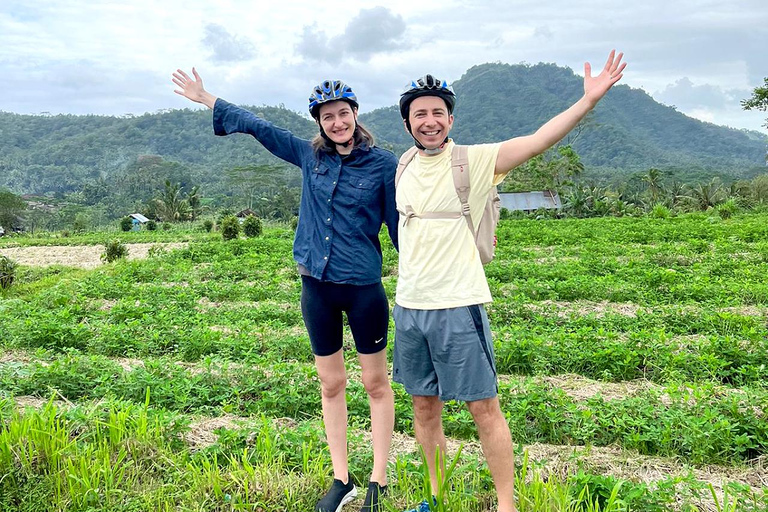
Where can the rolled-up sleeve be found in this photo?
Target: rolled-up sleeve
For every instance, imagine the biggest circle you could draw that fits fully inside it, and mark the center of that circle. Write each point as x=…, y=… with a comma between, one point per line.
x=229, y=118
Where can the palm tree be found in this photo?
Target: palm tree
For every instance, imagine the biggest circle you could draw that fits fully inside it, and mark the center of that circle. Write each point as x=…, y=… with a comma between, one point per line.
x=705, y=196
x=193, y=200
x=654, y=180
x=170, y=207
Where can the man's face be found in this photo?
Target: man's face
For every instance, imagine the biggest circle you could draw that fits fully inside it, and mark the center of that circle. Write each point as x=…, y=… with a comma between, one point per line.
x=338, y=120
x=430, y=121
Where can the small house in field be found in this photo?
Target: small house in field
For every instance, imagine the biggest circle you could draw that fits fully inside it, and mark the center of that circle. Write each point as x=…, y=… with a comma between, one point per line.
x=138, y=220
x=243, y=214
x=530, y=201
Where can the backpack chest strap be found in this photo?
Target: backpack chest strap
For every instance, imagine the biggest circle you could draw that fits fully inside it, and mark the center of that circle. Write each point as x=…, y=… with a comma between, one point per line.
x=410, y=213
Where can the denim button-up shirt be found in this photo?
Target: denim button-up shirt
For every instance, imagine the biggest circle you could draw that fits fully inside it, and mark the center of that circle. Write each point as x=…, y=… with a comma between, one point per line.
x=343, y=201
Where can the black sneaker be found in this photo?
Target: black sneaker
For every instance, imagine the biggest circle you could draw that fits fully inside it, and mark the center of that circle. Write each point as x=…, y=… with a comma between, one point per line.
x=372, y=501
x=339, y=495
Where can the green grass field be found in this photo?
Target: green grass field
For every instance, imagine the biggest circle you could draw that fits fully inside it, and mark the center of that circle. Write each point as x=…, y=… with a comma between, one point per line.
x=633, y=361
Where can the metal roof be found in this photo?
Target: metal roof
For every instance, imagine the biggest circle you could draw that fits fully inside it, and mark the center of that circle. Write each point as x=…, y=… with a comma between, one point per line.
x=139, y=217
x=530, y=201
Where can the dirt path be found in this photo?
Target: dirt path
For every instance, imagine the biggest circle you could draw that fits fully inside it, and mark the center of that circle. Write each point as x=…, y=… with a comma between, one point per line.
x=80, y=256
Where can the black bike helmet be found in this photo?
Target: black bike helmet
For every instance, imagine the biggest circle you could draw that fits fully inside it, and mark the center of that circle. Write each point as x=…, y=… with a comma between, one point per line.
x=330, y=90
x=427, y=85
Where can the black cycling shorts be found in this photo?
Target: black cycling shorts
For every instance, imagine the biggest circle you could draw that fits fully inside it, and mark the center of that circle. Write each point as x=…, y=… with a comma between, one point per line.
x=366, y=306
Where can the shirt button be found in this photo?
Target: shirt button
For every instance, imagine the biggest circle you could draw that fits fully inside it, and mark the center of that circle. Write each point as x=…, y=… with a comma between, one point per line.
x=325, y=257
x=327, y=238
x=329, y=199
x=334, y=182
x=329, y=219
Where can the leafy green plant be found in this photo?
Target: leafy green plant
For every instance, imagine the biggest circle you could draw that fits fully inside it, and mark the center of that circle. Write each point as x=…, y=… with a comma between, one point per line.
x=660, y=211
x=727, y=209
x=252, y=226
x=114, y=250
x=151, y=225
x=80, y=224
x=208, y=225
x=126, y=224
x=7, y=272
x=230, y=228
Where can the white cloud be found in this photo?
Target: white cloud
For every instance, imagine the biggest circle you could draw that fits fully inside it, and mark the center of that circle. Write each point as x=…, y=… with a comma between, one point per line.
x=116, y=57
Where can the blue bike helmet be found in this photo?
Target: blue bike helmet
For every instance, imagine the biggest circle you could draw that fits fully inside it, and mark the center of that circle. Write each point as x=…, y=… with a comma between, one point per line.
x=330, y=90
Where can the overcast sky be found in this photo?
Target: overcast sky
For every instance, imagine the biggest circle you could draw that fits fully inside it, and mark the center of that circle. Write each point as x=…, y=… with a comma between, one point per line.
x=116, y=57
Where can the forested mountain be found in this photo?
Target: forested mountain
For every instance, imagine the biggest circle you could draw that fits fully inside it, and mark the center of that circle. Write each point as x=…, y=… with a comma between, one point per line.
x=45, y=154
x=628, y=132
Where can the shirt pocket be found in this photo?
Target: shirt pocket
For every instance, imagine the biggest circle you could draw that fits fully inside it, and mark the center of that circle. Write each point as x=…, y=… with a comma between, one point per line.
x=319, y=177
x=365, y=191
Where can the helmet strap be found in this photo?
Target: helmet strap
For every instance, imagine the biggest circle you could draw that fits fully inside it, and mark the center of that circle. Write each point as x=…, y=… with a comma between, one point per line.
x=332, y=142
x=433, y=151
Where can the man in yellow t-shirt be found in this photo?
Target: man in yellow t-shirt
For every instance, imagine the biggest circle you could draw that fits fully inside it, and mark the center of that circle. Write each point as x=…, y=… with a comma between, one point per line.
x=443, y=346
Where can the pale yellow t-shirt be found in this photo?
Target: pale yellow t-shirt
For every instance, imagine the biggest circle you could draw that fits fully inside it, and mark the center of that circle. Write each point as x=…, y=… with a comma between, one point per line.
x=439, y=265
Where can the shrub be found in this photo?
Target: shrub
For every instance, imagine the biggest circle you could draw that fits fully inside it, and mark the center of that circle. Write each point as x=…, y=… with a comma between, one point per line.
x=727, y=209
x=80, y=223
x=252, y=226
x=126, y=224
x=294, y=222
x=208, y=226
x=230, y=228
x=166, y=226
x=156, y=251
x=7, y=272
x=151, y=225
x=660, y=211
x=114, y=250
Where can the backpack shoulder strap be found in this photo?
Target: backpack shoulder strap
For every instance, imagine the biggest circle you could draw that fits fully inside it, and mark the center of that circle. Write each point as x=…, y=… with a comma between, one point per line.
x=460, y=169
x=405, y=159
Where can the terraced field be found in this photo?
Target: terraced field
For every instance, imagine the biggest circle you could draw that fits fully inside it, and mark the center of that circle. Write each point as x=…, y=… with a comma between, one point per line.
x=633, y=360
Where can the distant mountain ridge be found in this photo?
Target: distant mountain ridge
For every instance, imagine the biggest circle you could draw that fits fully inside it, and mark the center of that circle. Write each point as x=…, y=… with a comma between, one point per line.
x=628, y=131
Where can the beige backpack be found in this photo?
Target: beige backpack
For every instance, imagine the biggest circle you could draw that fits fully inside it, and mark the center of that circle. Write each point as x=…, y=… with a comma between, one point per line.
x=485, y=236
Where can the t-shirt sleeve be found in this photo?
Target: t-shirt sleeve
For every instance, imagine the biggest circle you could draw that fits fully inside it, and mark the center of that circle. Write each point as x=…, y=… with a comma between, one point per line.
x=482, y=164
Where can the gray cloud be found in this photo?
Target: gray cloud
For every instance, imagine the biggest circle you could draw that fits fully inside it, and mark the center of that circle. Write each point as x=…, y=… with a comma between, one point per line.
x=543, y=31
x=709, y=103
x=84, y=87
x=314, y=45
x=227, y=47
x=372, y=31
x=685, y=95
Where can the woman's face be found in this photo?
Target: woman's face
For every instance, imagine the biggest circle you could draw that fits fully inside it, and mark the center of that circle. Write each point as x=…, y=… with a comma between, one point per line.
x=338, y=120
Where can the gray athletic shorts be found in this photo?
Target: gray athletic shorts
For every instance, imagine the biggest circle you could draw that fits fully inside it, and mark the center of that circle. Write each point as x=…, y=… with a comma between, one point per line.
x=445, y=352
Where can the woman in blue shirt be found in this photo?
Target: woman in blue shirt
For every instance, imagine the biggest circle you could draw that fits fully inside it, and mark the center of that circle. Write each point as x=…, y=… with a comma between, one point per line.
x=348, y=191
